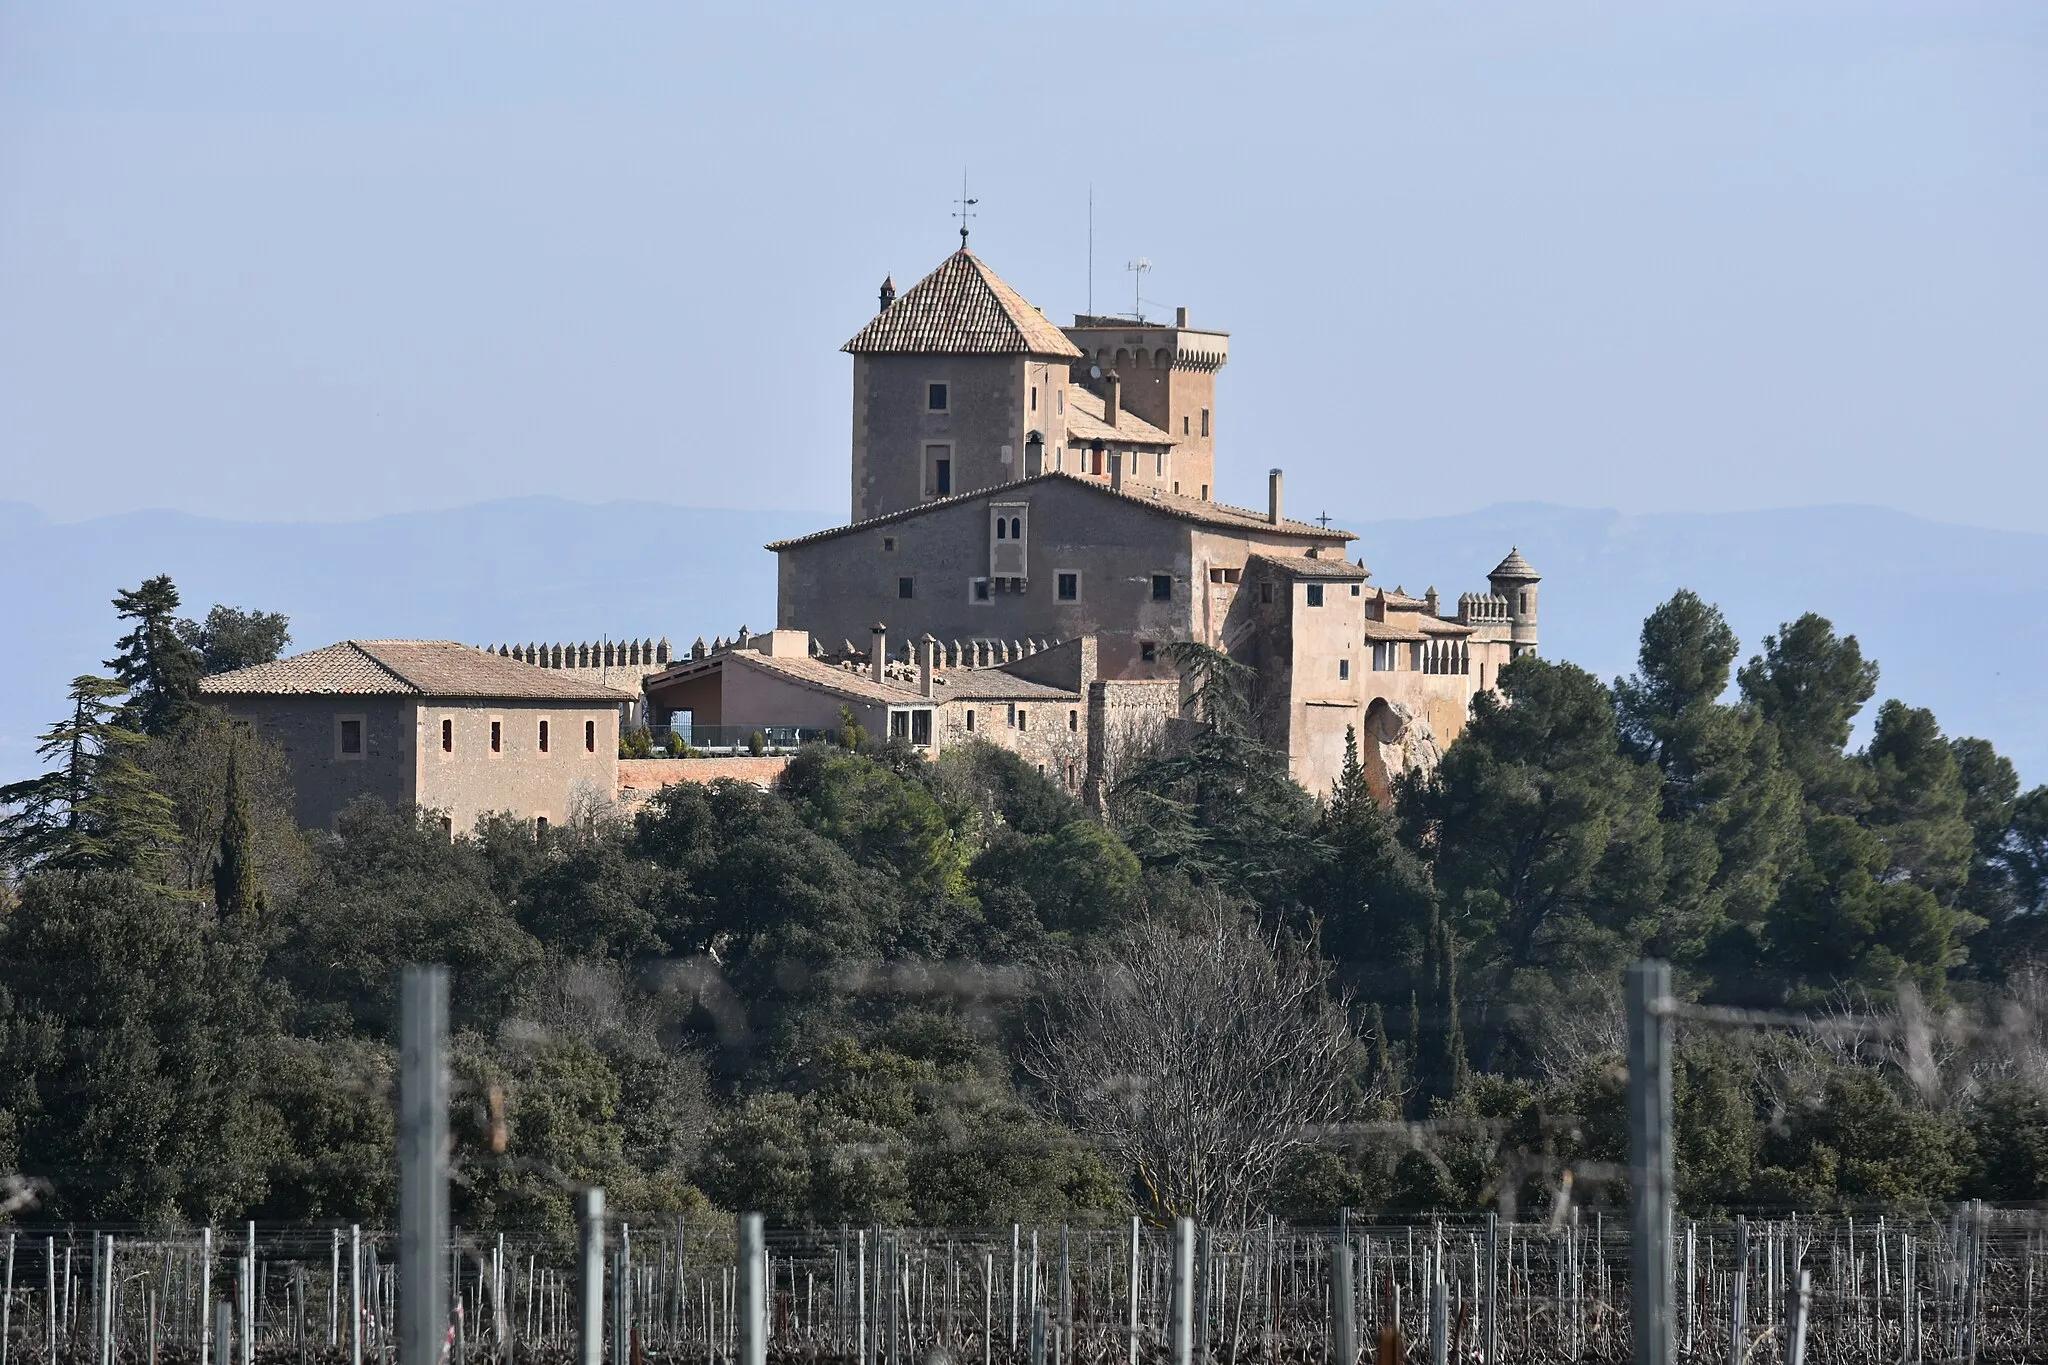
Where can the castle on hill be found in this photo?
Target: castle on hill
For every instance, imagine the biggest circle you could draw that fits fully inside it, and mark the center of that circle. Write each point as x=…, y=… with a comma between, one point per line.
x=1016, y=488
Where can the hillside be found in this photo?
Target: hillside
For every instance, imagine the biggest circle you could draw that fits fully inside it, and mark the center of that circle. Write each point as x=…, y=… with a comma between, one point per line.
x=1932, y=602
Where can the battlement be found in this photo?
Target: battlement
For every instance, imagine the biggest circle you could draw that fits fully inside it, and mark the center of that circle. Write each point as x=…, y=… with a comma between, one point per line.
x=646, y=654
x=1477, y=608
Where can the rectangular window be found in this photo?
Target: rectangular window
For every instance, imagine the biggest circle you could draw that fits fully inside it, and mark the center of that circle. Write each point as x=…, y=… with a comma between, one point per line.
x=938, y=471
x=1074, y=720
x=1343, y=668
x=1183, y=424
x=1354, y=590
x=981, y=590
x=497, y=736
x=921, y=728
x=970, y=720
x=1162, y=587
x=906, y=588
x=448, y=826
x=1315, y=594
x=590, y=736
x=1012, y=716
x=888, y=545
x=1148, y=652
x=1069, y=587
x=447, y=735
x=351, y=738
x=935, y=397
x=1265, y=592
x=543, y=736
x=1205, y=492
x=899, y=725
x=1034, y=398
x=1159, y=463
x=942, y=478
x=540, y=827
x=1205, y=421
x=1023, y=719
x=1059, y=401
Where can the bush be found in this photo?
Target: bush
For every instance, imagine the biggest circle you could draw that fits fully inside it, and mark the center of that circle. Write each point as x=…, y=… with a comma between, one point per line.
x=637, y=742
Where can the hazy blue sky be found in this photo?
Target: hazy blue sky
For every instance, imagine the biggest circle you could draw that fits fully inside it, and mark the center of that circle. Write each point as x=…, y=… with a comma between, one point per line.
x=311, y=260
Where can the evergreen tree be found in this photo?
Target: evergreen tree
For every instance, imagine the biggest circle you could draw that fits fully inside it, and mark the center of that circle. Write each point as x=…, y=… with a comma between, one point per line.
x=95, y=810
x=231, y=638
x=1810, y=683
x=235, y=887
x=156, y=666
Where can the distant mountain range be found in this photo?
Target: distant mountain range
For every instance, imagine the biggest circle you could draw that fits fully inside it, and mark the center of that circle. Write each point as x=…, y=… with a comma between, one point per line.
x=1941, y=607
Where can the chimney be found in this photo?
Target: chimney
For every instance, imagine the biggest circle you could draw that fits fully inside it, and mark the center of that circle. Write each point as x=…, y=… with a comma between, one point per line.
x=1180, y=317
x=878, y=650
x=925, y=648
x=1112, y=397
x=1273, y=497
x=1116, y=471
x=888, y=293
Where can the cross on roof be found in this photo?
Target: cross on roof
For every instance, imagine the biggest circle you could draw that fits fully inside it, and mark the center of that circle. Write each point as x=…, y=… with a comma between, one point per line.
x=963, y=213
x=1325, y=520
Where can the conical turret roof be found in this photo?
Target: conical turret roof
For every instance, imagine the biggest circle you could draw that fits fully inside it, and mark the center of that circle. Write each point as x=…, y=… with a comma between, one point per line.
x=962, y=308
x=1516, y=567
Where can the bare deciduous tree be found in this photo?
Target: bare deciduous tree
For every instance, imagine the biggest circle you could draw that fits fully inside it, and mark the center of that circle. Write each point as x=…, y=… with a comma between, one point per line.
x=1200, y=1059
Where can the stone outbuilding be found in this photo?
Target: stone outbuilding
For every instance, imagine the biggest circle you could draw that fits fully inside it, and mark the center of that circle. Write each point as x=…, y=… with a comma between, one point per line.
x=430, y=723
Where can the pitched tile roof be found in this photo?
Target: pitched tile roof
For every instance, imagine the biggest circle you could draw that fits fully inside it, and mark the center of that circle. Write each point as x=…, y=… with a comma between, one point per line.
x=418, y=668
x=1169, y=504
x=1387, y=630
x=993, y=684
x=962, y=308
x=1301, y=566
x=1085, y=412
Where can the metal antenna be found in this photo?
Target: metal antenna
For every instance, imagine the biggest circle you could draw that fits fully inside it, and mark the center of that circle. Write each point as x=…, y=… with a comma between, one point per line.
x=966, y=205
x=1091, y=250
x=1138, y=269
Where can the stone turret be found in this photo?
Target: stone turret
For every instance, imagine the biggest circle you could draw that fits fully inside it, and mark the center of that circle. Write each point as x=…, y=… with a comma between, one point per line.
x=1515, y=580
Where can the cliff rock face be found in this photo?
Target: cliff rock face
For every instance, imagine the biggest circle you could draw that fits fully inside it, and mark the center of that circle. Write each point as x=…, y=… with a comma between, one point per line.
x=1397, y=739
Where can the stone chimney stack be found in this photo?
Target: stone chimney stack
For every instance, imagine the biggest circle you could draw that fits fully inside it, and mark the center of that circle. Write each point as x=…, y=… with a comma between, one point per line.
x=1273, y=497
x=1116, y=471
x=888, y=293
x=1112, y=397
x=878, y=650
x=1180, y=317
x=925, y=649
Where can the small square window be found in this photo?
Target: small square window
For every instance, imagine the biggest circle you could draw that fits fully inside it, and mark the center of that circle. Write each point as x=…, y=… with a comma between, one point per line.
x=1148, y=652
x=590, y=736
x=981, y=589
x=888, y=545
x=447, y=735
x=1343, y=668
x=906, y=587
x=1354, y=590
x=352, y=739
x=1315, y=594
x=935, y=397
x=543, y=736
x=1162, y=587
x=497, y=736
x=1069, y=586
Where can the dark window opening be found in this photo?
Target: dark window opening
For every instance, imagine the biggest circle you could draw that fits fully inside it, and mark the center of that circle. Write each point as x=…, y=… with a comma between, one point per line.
x=921, y=728
x=351, y=736
x=1162, y=587
x=981, y=590
x=1205, y=492
x=1148, y=652
x=1315, y=594
x=935, y=398
x=899, y=725
x=447, y=736
x=497, y=736
x=590, y=736
x=1205, y=421
x=1354, y=590
x=1073, y=719
x=1034, y=398
x=540, y=827
x=448, y=826
x=1265, y=592
x=942, y=477
x=1023, y=719
x=1343, y=668
x=1069, y=586
x=906, y=587
x=1016, y=528
x=543, y=736
x=888, y=544
x=1002, y=529
x=970, y=720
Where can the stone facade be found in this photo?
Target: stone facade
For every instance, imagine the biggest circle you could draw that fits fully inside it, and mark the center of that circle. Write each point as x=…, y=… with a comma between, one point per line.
x=433, y=724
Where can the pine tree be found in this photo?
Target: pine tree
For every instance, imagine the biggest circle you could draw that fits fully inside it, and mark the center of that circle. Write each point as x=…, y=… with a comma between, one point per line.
x=158, y=668
x=235, y=888
x=96, y=810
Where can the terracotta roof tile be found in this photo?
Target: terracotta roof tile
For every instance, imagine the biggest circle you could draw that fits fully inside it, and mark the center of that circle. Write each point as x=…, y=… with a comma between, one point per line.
x=420, y=668
x=1301, y=566
x=962, y=308
x=1514, y=566
x=1387, y=630
x=1085, y=411
x=1169, y=504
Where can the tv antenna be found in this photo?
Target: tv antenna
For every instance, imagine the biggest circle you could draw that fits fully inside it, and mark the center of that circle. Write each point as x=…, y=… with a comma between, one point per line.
x=1138, y=269
x=966, y=209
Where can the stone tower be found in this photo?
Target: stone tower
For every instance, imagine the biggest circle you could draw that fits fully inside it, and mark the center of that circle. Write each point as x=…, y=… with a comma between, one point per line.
x=1168, y=378
x=1514, y=580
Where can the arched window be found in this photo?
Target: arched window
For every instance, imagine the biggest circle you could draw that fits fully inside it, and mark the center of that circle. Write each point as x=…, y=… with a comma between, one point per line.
x=1000, y=528
x=1016, y=528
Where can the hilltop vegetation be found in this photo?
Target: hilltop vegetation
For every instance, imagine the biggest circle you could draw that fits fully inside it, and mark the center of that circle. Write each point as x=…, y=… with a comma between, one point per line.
x=942, y=992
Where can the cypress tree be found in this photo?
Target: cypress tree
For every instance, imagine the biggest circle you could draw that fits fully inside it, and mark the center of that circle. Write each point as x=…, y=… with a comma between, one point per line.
x=235, y=888
x=1450, y=1067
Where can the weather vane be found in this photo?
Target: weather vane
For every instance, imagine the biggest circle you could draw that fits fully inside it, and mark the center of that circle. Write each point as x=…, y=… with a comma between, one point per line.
x=966, y=207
